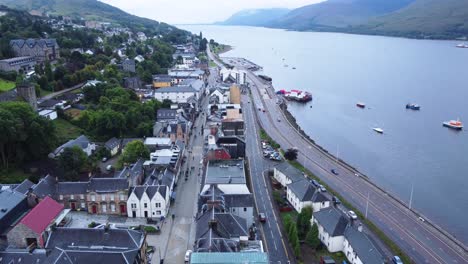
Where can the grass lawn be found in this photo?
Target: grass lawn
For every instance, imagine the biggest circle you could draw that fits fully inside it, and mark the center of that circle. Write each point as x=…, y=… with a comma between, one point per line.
x=12, y=176
x=66, y=131
x=212, y=64
x=73, y=112
x=45, y=92
x=6, y=85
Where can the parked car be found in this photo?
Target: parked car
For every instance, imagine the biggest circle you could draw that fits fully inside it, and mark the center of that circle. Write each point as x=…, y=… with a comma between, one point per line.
x=352, y=215
x=335, y=172
x=104, y=159
x=327, y=260
x=322, y=188
x=109, y=167
x=188, y=253
x=315, y=183
x=336, y=200
x=396, y=260
x=262, y=217
x=279, y=119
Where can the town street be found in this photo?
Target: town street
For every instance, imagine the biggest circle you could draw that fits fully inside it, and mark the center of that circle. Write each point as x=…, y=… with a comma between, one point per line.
x=421, y=241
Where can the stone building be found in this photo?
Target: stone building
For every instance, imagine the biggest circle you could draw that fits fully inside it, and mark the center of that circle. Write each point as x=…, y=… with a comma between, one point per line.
x=41, y=49
x=28, y=93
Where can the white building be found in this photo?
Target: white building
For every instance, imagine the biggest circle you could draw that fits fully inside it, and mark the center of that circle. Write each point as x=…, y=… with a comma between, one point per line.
x=220, y=96
x=82, y=142
x=227, y=175
x=48, y=113
x=233, y=75
x=155, y=143
x=148, y=201
x=337, y=233
x=286, y=174
x=301, y=194
x=177, y=94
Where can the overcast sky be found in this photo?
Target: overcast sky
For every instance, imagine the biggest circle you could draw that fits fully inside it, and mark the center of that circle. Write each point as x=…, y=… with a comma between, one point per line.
x=197, y=11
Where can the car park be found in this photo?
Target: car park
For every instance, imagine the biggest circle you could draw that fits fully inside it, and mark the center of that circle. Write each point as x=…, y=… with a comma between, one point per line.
x=352, y=215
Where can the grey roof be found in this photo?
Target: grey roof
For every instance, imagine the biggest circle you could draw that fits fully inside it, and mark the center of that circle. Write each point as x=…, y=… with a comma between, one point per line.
x=17, y=59
x=238, y=200
x=64, y=188
x=150, y=190
x=319, y=197
x=14, y=256
x=45, y=187
x=81, y=141
x=303, y=189
x=176, y=89
x=196, y=84
x=112, y=143
x=164, y=114
x=365, y=249
x=162, y=78
x=24, y=186
x=164, y=177
x=332, y=220
x=107, y=184
x=68, y=97
x=49, y=103
x=225, y=172
x=227, y=225
x=33, y=42
x=9, y=199
x=291, y=172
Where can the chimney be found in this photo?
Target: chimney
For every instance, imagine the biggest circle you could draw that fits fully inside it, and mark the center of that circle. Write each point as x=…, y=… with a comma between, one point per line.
x=359, y=228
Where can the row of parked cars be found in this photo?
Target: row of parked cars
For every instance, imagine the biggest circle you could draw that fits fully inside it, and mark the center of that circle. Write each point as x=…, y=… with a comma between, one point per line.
x=270, y=153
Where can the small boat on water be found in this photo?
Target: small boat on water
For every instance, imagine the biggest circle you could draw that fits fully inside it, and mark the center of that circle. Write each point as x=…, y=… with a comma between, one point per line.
x=293, y=68
x=453, y=124
x=462, y=45
x=413, y=106
x=296, y=95
x=361, y=105
x=378, y=130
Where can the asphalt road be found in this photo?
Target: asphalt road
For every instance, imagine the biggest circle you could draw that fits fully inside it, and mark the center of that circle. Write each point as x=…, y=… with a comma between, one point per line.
x=422, y=242
x=275, y=244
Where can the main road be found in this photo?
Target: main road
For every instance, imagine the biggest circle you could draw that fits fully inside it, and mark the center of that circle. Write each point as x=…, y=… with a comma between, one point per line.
x=275, y=242
x=421, y=241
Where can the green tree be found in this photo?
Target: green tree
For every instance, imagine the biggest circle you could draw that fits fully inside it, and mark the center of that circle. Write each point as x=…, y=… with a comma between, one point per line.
x=72, y=161
x=312, y=238
x=48, y=71
x=303, y=221
x=133, y=151
x=291, y=154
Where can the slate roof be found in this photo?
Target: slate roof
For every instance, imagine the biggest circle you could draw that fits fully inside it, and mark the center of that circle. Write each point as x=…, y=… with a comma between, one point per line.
x=238, y=200
x=164, y=113
x=228, y=225
x=33, y=42
x=303, y=189
x=102, y=185
x=45, y=187
x=81, y=141
x=365, y=249
x=9, y=200
x=319, y=197
x=49, y=103
x=68, y=97
x=24, y=186
x=150, y=190
x=66, y=188
x=42, y=215
x=176, y=89
x=112, y=143
x=291, y=172
x=162, y=78
x=332, y=220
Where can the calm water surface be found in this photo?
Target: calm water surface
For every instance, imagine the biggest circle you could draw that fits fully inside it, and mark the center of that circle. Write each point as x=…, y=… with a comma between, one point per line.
x=385, y=73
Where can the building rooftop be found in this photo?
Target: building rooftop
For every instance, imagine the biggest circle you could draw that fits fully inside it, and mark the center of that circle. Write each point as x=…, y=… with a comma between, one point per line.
x=303, y=189
x=229, y=258
x=225, y=172
x=332, y=220
x=17, y=59
x=176, y=89
x=112, y=143
x=291, y=172
x=365, y=249
x=161, y=141
x=9, y=199
x=42, y=215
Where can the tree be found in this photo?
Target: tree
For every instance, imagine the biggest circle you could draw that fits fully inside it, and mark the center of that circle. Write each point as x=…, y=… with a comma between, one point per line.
x=133, y=151
x=291, y=154
x=303, y=221
x=203, y=45
x=312, y=238
x=48, y=71
x=73, y=161
x=294, y=240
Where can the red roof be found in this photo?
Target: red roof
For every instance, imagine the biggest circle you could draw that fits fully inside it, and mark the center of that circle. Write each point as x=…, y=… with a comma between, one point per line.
x=42, y=215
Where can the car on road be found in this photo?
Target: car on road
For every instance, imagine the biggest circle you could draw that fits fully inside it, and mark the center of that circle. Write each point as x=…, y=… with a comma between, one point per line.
x=279, y=119
x=352, y=215
x=188, y=253
x=396, y=260
x=334, y=172
x=322, y=188
x=262, y=217
x=315, y=183
x=109, y=167
x=104, y=159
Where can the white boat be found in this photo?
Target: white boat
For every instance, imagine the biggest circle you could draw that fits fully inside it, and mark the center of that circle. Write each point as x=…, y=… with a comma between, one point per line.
x=462, y=45
x=454, y=124
x=378, y=130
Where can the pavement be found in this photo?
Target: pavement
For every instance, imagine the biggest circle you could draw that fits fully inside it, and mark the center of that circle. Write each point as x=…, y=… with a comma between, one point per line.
x=420, y=240
x=83, y=219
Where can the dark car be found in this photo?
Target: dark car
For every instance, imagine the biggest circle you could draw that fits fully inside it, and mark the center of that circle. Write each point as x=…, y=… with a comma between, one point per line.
x=336, y=200
x=262, y=217
x=327, y=260
x=334, y=172
x=315, y=183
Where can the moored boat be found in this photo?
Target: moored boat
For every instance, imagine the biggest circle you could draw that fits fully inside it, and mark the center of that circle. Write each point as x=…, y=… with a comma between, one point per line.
x=296, y=95
x=413, y=106
x=361, y=105
x=462, y=45
x=378, y=130
x=453, y=124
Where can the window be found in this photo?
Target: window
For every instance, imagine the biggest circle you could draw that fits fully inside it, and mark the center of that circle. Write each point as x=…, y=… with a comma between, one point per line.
x=133, y=205
x=72, y=197
x=104, y=208
x=245, y=209
x=83, y=205
x=122, y=197
x=82, y=196
x=145, y=205
x=158, y=212
x=158, y=205
x=93, y=198
x=61, y=197
x=113, y=207
x=103, y=197
x=112, y=197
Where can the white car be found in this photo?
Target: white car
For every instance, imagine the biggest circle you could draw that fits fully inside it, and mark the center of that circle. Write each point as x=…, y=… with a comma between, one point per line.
x=187, y=255
x=352, y=215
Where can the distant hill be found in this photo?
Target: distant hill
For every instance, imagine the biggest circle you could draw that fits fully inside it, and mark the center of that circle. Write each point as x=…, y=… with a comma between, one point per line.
x=424, y=18
x=337, y=14
x=88, y=9
x=255, y=17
